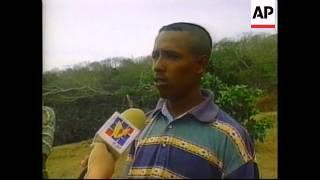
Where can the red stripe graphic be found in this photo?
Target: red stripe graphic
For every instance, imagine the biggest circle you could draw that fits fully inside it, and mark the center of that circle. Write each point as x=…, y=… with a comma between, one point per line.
x=263, y=25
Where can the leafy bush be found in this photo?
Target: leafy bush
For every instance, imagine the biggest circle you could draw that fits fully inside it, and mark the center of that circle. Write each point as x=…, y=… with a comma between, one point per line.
x=213, y=83
x=259, y=128
x=240, y=102
x=251, y=60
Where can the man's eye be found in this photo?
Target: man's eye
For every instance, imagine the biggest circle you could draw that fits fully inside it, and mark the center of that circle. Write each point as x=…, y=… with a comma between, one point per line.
x=155, y=55
x=171, y=56
x=165, y=55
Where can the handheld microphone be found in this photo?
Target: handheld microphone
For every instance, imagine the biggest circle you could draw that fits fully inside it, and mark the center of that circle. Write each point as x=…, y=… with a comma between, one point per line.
x=112, y=139
x=120, y=130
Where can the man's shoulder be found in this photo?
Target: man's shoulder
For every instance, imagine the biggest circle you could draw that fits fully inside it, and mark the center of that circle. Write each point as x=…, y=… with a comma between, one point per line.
x=230, y=127
x=230, y=124
x=234, y=132
x=48, y=110
x=48, y=115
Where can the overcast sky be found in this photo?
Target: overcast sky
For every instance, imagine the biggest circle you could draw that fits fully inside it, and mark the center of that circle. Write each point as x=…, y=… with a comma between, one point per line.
x=90, y=30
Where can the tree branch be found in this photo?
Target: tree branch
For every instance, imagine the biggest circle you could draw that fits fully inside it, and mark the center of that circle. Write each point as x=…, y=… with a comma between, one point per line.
x=62, y=91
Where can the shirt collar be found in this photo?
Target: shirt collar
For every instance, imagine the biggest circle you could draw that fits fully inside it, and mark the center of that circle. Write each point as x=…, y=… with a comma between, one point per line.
x=206, y=111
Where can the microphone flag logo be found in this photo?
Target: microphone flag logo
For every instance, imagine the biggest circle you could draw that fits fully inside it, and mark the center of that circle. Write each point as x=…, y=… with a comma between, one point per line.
x=118, y=132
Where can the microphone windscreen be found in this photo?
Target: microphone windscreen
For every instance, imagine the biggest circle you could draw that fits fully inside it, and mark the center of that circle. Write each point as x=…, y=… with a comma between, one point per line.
x=136, y=117
x=120, y=130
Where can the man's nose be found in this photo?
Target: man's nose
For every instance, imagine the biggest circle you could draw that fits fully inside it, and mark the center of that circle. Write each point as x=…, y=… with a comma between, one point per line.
x=158, y=65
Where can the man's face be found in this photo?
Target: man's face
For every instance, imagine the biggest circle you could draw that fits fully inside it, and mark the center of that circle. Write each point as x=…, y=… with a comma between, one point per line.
x=176, y=70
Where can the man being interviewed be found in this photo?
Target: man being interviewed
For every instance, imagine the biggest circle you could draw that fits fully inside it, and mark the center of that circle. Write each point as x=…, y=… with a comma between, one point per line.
x=188, y=136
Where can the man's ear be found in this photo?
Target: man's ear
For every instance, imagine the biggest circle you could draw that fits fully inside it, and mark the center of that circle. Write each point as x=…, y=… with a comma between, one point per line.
x=202, y=63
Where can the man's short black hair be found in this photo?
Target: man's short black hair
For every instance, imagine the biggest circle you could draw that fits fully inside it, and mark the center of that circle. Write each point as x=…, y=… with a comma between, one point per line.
x=202, y=40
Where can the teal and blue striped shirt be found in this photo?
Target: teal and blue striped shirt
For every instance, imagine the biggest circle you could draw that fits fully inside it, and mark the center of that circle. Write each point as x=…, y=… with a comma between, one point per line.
x=204, y=142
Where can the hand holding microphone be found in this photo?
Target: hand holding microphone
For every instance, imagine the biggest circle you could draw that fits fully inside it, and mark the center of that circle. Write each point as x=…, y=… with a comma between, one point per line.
x=111, y=140
x=100, y=163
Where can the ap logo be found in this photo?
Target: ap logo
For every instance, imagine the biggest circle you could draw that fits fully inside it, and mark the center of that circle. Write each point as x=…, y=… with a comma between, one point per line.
x=263, y=13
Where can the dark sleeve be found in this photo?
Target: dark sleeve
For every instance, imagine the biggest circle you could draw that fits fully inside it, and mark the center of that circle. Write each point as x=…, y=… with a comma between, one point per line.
x=248, y=170
x=239, y=159
x=48, y=129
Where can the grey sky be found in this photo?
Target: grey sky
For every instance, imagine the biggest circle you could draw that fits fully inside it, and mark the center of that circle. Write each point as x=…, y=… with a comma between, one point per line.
x=90, y=30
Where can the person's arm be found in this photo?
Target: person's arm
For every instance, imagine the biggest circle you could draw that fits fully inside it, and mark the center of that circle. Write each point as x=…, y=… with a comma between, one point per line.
x=239, y=157
x=248, y=170
x=48, y=129
x=122, y=172
x=109, y=170
x=100, y=163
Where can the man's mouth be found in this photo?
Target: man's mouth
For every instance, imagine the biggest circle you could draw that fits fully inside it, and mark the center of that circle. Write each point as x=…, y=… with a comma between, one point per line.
x=160, y=81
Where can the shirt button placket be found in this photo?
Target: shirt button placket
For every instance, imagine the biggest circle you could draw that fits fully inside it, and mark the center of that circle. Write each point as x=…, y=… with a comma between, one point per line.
x=165, y=141
x=164, y=152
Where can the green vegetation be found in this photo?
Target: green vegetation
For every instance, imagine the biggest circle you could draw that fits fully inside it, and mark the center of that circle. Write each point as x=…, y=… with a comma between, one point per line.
x=250, y=61
x=267, y=151
x=240, y=102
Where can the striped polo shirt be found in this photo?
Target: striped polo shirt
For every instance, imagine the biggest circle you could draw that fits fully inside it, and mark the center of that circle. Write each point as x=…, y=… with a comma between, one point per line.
x=203, y=142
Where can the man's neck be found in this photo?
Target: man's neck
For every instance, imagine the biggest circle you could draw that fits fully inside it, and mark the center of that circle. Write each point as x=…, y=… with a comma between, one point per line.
x=180, y=105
